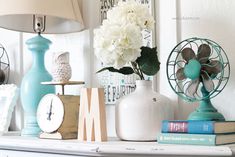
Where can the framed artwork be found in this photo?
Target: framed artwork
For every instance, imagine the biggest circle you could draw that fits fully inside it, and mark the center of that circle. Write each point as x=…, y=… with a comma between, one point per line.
x=105, y=5
x=9, y=94
x=117, y=85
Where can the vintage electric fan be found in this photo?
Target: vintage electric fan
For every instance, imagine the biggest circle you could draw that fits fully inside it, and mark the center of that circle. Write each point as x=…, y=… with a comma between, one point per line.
x=198, y=70
x=4, y=66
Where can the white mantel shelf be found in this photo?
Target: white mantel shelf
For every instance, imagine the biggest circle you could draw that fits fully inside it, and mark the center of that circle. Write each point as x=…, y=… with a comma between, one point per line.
x=110, y=148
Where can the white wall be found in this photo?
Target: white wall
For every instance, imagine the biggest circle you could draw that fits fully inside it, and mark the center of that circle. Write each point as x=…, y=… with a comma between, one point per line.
x=78, y=44
x=12, y=43
x=213, y=19
x=82, y=60
x=176, y=20
x=20, y=59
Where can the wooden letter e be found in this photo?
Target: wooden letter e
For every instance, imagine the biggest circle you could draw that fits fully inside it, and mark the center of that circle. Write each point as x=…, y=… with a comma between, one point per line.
x=92, y=118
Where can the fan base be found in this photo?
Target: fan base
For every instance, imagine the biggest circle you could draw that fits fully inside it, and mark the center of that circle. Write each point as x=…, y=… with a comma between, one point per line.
x=210, y=116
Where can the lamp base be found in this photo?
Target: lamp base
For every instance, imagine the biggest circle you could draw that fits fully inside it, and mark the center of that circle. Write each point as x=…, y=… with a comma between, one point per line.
x=31, y=88
x=31, y=127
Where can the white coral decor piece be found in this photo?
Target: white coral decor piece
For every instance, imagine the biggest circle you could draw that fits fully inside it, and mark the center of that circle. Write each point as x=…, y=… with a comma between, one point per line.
x=118, y=41
x=9, y=94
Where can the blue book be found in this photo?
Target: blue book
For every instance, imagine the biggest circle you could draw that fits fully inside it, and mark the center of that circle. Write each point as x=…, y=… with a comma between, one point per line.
x=198, y=127
x=196, y=139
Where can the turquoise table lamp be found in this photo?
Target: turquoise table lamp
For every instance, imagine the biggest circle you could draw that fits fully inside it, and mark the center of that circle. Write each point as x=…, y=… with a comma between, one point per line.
x=38, y=16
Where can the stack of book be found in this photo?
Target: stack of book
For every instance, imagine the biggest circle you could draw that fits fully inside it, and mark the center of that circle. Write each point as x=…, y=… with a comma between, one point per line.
x=197, y=132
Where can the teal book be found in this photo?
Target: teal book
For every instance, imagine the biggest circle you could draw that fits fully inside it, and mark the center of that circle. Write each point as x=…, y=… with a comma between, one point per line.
x=198, y=127
x=196, y=139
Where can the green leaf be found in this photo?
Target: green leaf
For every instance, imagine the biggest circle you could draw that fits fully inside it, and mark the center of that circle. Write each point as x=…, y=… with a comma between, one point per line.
x=148, y=61
x=124, y=70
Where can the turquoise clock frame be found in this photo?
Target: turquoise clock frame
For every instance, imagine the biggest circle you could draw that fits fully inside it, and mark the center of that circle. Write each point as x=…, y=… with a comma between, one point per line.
x=31, y=88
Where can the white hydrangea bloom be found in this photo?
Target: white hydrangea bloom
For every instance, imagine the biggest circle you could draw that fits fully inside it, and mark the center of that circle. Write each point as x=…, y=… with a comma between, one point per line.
x=117, y=45
x=118, y=41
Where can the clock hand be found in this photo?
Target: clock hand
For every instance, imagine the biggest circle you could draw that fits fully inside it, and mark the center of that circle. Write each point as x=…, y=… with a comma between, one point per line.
x=50, y=111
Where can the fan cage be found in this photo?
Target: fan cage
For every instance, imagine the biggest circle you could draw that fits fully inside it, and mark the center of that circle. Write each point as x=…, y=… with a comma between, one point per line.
x=175, y=61
x=4, y=64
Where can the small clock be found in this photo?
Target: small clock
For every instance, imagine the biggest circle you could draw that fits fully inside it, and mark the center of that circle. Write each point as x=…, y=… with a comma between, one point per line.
x=57, y=116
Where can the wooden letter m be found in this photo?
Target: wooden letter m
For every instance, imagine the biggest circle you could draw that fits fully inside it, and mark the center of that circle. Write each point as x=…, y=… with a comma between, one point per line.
x=92, y=118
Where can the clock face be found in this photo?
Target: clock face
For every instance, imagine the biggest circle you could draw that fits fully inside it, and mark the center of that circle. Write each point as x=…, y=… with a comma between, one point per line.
x=50, y=113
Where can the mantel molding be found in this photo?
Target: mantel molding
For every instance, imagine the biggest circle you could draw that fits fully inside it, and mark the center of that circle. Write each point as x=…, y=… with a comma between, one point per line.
x=111, y=148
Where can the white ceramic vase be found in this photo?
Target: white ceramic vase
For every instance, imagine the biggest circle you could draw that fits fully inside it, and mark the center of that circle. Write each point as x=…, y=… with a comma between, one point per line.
x=139, y=114
x=61, y=69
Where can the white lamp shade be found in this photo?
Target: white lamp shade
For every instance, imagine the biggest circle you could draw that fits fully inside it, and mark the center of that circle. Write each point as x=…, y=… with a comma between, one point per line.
x=62, y=16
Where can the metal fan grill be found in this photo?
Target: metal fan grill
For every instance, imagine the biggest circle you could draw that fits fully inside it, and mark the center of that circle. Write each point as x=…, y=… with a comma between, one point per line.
x=198, y=70
x=4, y=66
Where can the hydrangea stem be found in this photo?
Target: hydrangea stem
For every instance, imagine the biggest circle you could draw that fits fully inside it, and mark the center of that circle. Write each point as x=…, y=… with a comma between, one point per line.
x=137, y=70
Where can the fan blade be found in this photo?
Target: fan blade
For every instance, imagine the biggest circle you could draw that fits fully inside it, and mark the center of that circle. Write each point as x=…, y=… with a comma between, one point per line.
x=187, y=54
x=192, y=87
x=180, y=74
x=214, y=67
x=204, y=52
x=207, y=82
